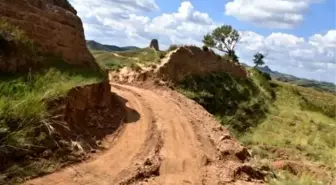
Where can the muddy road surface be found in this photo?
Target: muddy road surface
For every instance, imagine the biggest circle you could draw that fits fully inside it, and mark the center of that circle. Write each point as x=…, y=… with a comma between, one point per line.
x=166, y=139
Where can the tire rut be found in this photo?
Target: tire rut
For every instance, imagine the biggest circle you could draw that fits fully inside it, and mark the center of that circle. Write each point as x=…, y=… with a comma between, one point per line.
x=173, y=141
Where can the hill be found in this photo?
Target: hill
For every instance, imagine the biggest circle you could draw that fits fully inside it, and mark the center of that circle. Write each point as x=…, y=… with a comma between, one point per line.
x=93, y=45
x=319, y=85
x=287, y=129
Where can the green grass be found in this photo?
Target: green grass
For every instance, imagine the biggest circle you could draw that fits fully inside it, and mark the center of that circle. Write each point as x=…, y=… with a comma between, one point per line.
x=237, y=103
x=284, y=178
x=24, y=118
x=130, y=58
x=275, y=120
x=25, y=121
x=311, y=134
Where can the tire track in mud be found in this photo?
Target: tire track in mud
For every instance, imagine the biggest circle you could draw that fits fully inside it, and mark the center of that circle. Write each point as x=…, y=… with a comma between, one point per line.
x=170, y=142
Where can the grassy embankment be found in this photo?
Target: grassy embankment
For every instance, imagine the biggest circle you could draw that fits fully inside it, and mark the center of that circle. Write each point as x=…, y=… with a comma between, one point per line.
x=24, y=119
x=277, y=121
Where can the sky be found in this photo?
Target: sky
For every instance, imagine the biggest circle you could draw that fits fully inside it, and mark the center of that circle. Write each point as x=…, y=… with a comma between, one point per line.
x=299, y=36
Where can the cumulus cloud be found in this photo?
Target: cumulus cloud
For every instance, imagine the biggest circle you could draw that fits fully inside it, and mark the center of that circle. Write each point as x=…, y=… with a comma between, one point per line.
x=121, y=22
x=269, y=13
x=312, y=57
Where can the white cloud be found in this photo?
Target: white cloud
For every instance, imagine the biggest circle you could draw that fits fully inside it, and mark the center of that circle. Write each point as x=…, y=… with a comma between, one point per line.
x=269, y=13
x=312, y=57
x=121, y=22
x=127, y=24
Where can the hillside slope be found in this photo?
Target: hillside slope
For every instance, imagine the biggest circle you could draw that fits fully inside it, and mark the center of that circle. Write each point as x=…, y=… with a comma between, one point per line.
x=324, y=86
x=297, y=122
x=93, y=45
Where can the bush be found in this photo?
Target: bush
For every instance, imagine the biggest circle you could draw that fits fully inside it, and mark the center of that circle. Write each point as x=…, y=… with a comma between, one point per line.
x=162, y=55
x=205, y=48
x=173, y=47
x=237, y=102
x=267, y=76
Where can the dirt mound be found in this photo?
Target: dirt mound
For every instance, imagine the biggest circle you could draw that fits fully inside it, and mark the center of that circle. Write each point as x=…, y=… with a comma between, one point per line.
x=52, y=25
x=192, y=60
x=178, y=64
x=169, y=139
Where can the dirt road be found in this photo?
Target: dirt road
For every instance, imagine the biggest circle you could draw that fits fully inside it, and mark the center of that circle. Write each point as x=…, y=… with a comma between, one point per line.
x=167, y=139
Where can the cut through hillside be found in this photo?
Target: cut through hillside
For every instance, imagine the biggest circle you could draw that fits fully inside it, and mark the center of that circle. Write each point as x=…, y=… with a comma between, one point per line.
x=172, y=141
x=178, y=64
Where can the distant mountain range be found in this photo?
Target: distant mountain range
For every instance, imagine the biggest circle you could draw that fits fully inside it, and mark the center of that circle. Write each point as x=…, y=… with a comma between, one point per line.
x=325, y=86
x=93, y=45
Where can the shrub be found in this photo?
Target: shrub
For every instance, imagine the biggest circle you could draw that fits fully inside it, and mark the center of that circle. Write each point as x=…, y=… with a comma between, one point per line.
x=205, y=48
x=237, y=102
x=173, y=47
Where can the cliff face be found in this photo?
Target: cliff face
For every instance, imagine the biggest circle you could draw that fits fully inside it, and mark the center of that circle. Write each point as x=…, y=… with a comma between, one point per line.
x=53, y=25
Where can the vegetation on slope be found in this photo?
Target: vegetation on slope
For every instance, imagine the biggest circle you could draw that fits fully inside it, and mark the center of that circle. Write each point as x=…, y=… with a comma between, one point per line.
x=295, y=131
x=24, y=118
x=318, y=85
x=237, y=102
x=130, y=58
x=277, y=121
x=93, y=45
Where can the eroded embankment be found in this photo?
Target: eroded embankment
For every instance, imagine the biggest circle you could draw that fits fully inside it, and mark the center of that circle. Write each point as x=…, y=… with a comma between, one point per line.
x=167, y=139
x=77, y=123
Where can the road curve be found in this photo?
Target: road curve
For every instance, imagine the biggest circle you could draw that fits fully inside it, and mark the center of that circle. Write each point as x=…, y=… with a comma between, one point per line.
x=167, y=140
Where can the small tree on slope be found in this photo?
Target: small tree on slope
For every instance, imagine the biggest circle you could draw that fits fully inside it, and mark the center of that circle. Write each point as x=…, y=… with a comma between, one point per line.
x=258, y=59
x=224, y=39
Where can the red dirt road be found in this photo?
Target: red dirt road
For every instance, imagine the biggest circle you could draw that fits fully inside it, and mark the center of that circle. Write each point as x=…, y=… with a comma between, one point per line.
x=167, y=140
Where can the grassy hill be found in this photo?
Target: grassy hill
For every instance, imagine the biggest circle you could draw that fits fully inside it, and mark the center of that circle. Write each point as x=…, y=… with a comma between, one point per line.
x=325, y=86
x=130, y=58
x=93, y=45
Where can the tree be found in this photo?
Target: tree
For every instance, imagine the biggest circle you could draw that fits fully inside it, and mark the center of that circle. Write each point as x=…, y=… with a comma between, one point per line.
x=224, y=39
x=258, y=59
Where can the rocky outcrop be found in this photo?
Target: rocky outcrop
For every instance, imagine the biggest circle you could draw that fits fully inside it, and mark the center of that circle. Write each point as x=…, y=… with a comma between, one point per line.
x=191, y=60
x=154, y=44
x=52, y=25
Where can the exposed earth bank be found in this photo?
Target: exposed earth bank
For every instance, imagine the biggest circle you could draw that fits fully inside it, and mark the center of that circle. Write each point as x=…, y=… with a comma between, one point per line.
x=166, y=139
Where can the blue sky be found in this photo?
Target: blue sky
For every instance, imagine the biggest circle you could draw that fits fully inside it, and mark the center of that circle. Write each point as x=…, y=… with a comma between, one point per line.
x=298, y=35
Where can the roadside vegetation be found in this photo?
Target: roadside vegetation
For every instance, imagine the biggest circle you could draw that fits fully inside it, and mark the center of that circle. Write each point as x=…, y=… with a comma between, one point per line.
x=275, y=120
x=130, y=58
x=24, y=117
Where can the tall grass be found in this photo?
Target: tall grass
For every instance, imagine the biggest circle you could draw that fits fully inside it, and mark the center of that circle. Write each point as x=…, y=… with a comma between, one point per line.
x=25, y=122
x=23, y=101
x=306, y=134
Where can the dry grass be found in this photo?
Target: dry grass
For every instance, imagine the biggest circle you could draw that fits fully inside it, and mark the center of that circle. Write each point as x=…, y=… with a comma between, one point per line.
x=130, y=58
x=277, y=121
x=309, y=134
